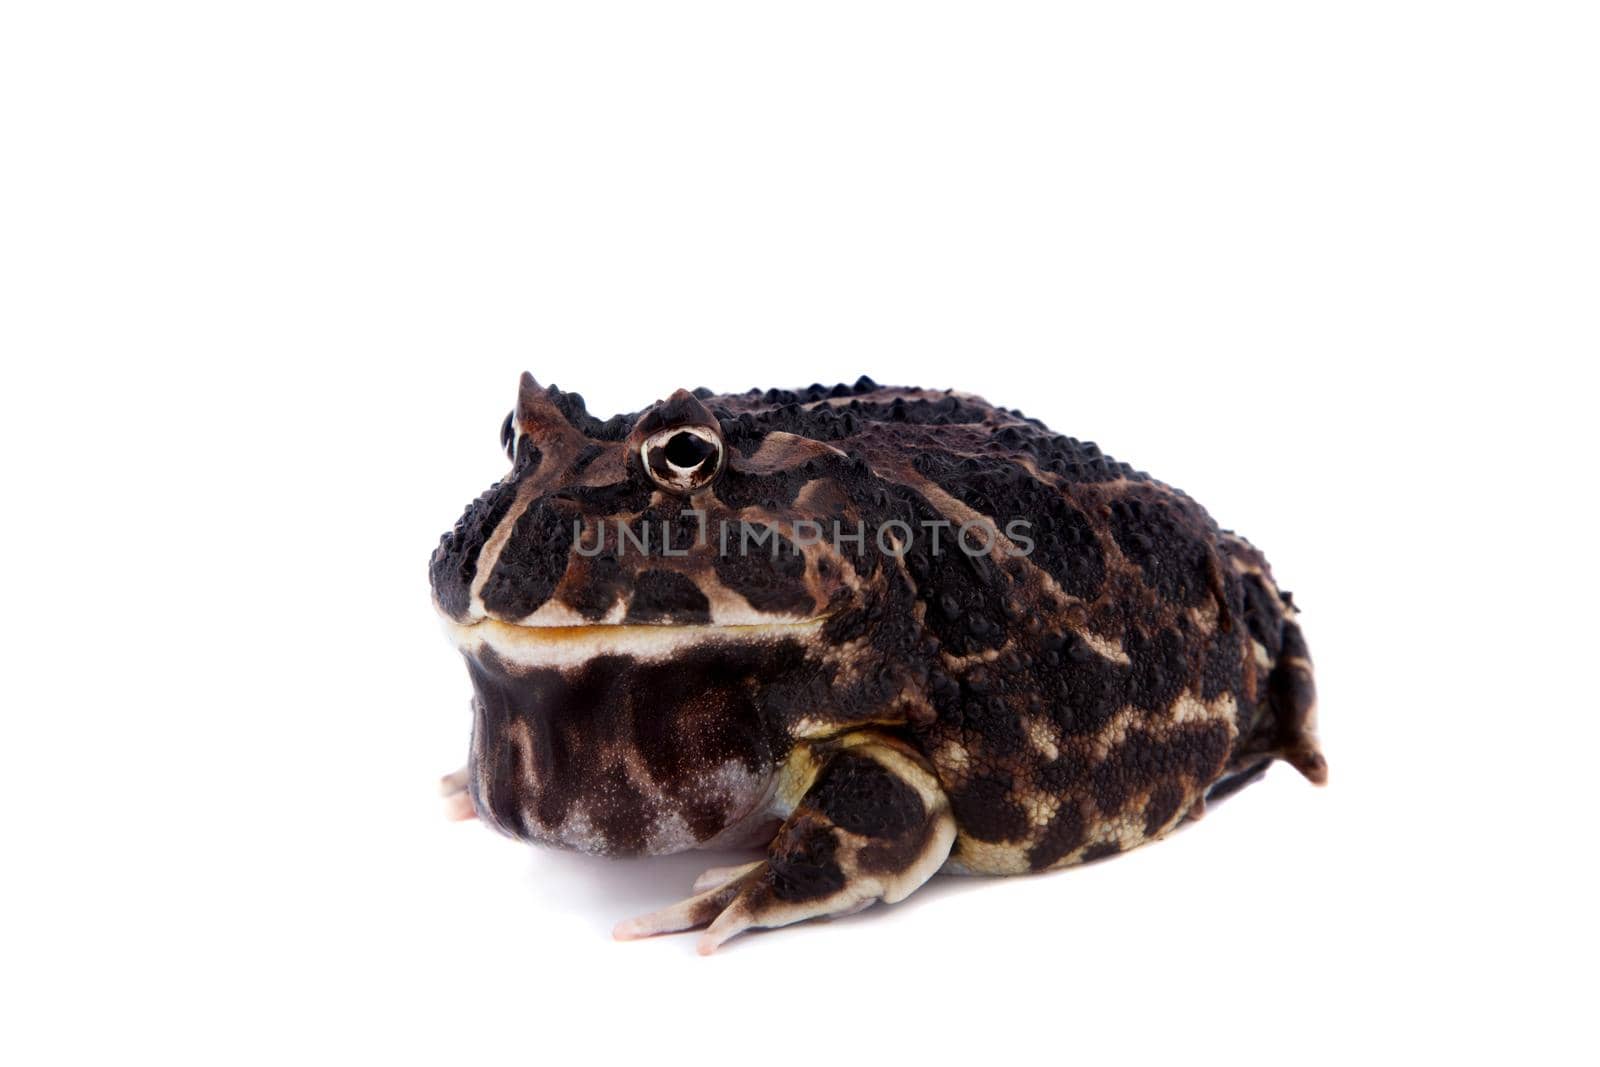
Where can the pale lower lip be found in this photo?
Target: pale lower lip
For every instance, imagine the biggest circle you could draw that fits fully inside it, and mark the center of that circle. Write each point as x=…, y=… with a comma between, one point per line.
x=567, y=646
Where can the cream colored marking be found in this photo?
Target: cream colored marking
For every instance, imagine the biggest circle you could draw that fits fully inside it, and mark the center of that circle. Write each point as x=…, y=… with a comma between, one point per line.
x=957, y=663
x=794, y=778
x=489, y=554
x=1245, y=566
x=558, y=456
x=813, y=497
x=987, y=857
x=1120, y=483
x=1040, y=734
x=571, y=646
x=1113, y=733
x=553, y=613
x=1191, y=708
x=1041, y=808
x=780, y=451
x=730, y=608
x=1308, y=728
x=1206, y=614
x=940, y=842
x=726, y=608
x=608, y=468
x=953, y=758
x=1001, y=548
x=1105, y=647
x=815, y=728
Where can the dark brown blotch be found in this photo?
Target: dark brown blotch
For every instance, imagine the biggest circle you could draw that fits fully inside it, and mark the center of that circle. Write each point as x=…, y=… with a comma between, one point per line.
x=861, y=795
x=769, y=573
x=661, y=596
x=986, y=811
x=1102, y=850
x=1161, y=807
x=803, y=860
x=1192, y=752
x=531, y=562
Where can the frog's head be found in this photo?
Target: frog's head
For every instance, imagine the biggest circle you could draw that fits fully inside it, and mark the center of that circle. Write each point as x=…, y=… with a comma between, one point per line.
x=634, y=598
x=650, y=519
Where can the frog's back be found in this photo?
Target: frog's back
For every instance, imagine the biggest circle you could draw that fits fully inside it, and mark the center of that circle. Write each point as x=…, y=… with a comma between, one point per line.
x=1120, y=660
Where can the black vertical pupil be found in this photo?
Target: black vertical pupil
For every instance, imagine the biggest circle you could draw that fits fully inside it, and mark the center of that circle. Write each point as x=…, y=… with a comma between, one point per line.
x=687, y=451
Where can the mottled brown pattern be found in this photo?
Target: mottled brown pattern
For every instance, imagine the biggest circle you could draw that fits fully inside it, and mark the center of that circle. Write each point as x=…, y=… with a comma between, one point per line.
x=1075, y=686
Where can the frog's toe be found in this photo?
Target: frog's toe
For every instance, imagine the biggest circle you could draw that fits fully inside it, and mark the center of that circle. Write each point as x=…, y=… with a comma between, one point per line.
x=722, y=876
x=457, y=800
x=757, y=907
x=697, y=910
x=458, y=808
x=735, y=899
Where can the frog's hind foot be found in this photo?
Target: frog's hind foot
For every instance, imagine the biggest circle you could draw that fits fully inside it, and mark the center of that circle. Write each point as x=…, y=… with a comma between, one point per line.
x=1292, y=694
x=872, y=825
x=457, y=800
x=1286, y=729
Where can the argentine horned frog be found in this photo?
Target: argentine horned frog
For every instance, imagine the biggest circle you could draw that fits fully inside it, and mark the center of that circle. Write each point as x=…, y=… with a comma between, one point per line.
x=876, y=632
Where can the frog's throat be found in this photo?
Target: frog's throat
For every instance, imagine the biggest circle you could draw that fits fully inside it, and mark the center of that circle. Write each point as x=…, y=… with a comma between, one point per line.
x=571, y=646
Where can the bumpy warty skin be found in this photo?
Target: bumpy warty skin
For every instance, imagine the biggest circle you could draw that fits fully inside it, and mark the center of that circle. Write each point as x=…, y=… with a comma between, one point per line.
x=1075, y=691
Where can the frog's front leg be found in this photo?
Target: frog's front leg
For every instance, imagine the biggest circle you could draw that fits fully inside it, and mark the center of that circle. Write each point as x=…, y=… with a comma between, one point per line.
x=868, y=822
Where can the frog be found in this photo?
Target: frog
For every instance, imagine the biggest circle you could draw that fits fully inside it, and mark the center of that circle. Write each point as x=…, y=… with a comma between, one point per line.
x=868, y=633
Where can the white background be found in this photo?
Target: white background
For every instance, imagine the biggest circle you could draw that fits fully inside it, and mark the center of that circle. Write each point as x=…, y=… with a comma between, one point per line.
x=269, y=273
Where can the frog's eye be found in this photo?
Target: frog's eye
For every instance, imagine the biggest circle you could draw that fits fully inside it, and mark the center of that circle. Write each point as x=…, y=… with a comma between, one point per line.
x=682, y=459
x=508, y=437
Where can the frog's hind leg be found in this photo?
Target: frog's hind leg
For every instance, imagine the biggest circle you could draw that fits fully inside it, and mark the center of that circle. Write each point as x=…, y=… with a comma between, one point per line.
x=1292, y=695
x=1284, y=723
x=871, y=824
x=1285, y=727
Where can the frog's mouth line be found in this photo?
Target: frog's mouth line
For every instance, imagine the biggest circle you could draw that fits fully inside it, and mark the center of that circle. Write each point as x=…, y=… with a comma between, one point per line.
x=569, y=646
